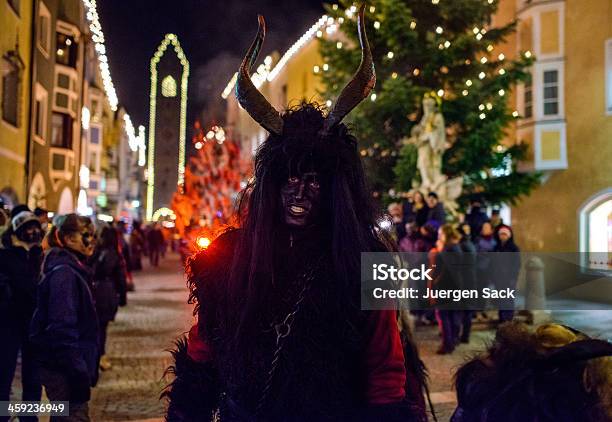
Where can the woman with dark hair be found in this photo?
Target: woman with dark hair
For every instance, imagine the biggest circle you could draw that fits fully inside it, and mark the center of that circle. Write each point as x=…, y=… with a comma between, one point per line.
x=420, y=208
x=280, y=333
x=109, y=286
x=64, y=327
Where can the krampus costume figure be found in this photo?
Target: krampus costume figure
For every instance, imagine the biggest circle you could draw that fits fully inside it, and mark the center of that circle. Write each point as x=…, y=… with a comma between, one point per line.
x=555, y=374
x=280, y=334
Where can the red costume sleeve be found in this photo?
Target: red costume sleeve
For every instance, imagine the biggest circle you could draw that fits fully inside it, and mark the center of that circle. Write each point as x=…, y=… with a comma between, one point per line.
x=197, y=348
x=384, y=359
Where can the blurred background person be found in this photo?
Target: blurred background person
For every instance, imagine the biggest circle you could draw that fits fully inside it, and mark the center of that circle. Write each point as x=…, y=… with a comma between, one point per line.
x=43, y=216
x=468, y=280
x=155, y=240
x=412, y=241
x=64, y=328
x=496, y=219
x=507, y=269
x=397, y=217
x=420, y=209
x=138, y=246
x=485, y=244
x=447, y=276
x=476, y=216
x=109, y=284
x=436, y=209
x=4, y=219
x=20, y=262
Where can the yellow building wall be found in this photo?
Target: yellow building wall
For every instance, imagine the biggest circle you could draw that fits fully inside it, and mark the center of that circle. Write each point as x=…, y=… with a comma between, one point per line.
x=302, y=82
x=13, y=141
x=548, y=218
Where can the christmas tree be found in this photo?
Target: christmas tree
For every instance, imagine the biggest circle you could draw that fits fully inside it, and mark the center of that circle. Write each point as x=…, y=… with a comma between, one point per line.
x=447, y=50
x=213, y=178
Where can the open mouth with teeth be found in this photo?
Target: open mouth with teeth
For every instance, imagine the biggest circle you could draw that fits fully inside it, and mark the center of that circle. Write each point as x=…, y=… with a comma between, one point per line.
x=297, y=210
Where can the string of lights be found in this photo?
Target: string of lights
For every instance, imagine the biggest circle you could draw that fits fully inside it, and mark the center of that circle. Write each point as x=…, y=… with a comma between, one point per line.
x=136, y=142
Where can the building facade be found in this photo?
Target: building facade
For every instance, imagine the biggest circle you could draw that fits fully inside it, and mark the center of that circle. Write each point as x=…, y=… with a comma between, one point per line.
x=16, y=20
x=131, y=162
x=57, y=94
x=167, y=125
x=566, y=120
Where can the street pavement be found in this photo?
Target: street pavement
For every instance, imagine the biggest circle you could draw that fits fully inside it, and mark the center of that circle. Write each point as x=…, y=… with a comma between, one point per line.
x=157, y=313
x=138, y=343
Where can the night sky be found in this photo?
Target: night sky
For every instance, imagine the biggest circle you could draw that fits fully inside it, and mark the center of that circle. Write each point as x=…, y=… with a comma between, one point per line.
x=213, y=34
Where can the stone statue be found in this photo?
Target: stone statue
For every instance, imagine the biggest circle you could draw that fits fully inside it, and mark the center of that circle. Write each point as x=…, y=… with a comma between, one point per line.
x=429, y=136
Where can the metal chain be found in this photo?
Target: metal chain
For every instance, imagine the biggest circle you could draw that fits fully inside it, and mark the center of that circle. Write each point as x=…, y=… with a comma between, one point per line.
x=282, y=331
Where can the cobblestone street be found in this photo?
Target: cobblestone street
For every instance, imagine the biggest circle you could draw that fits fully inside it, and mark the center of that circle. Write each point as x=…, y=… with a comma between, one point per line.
x=138, y=341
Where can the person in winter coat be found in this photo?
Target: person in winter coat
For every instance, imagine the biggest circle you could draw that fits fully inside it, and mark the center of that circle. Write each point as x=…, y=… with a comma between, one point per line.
x=485, y=244
x=447, y=276
x=64, y=327
x=155, y=239
x=469, y=258
x=477, y=216
x=20, y=261
x=420, y=209
x=505, y=273
x=137, y=246
x=436, y=209
x=110, y=285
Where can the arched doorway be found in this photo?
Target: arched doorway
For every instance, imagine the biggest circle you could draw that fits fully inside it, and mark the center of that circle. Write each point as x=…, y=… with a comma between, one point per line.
x=596, y=230
x=66, y=202
x=37, y=197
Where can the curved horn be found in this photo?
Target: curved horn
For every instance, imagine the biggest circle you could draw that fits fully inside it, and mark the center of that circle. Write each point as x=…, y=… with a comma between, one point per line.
x=360, y=86
x=248, y=96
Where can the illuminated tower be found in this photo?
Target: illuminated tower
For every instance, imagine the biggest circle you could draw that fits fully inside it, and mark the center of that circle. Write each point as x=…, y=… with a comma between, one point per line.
x=167, y=120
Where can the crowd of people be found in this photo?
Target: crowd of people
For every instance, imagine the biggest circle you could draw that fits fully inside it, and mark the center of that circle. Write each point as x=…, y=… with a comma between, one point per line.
x=61, y=284
x=420, y=226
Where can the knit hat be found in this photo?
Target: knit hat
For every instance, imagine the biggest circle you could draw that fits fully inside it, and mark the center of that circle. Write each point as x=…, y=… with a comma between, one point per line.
x=22, y=218
x=506, y=230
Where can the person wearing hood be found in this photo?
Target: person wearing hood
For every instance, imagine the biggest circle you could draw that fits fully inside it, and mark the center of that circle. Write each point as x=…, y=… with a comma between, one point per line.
x=20, y=261
x=64, y=328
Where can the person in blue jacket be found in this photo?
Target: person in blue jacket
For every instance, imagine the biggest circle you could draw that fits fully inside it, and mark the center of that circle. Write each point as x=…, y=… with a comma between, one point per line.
x=64, y=327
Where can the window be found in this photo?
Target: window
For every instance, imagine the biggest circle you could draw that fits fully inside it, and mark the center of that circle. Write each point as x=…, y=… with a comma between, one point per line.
x=528, y=99
x=40, y=113
x=551, y=92
x=93, y=162
x=95, y=110
x=14, y=5
x=94, y=135
x=44, y=29
x=169, y=87
x=66, y=95
x=608, y=70
x=61, y=130
x=67, y=50
x=11, y=81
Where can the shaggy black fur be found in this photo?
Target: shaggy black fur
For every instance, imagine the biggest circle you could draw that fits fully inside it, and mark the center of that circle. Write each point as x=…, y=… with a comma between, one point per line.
x=194, y=393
